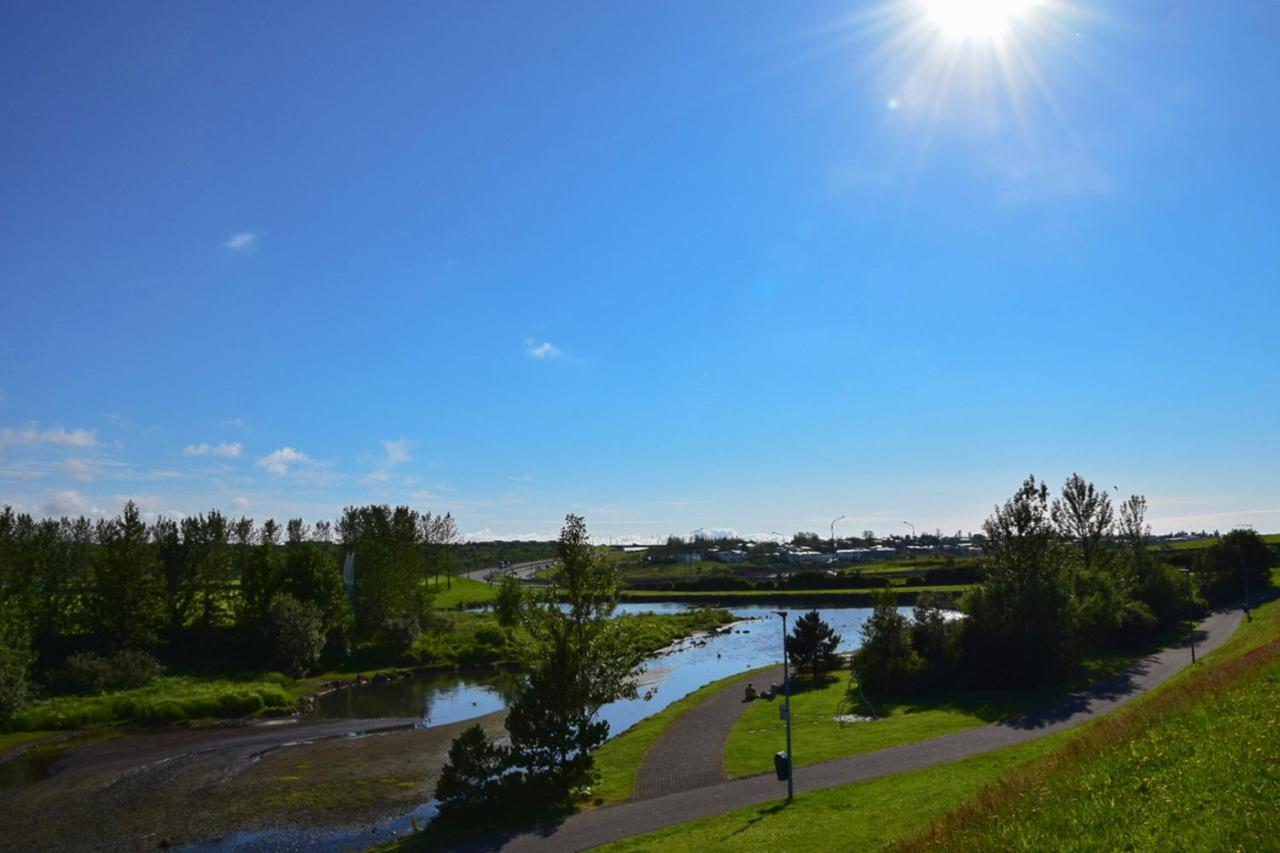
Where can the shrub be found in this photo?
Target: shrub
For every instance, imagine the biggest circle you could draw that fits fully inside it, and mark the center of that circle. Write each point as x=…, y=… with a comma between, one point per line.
x=90, y=673
x=295, y=633
x=15, y=662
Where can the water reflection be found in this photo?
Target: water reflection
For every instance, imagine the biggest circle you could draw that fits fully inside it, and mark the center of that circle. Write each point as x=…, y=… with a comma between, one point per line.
x=437, y=698
x=442, y=698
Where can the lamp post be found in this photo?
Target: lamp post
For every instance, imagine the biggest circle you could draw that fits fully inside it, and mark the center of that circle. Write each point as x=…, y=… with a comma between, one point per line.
x=913, y=528
x=786, y=689
x=833, y=530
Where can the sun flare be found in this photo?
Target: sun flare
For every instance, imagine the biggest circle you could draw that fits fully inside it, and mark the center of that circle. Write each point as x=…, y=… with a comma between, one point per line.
x=975, y=20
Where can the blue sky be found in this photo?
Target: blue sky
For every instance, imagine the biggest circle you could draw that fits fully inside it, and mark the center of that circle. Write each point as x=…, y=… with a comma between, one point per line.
x=669, y=265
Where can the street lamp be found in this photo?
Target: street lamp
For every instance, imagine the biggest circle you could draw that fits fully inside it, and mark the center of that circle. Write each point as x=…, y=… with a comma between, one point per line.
x=786, y=689
x=833, y=530
x=913, y=528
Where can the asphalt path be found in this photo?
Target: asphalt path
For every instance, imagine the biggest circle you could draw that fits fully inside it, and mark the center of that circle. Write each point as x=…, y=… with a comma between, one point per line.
x=635, y=817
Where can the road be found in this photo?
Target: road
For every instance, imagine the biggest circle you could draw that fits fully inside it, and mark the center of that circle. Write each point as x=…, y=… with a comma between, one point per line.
x=523, y=571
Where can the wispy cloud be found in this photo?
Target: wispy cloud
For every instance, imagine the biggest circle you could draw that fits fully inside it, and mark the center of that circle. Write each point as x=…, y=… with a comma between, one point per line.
x=227, y=450
x=240, y=241
x=394, y=453
x=279, y=462
x=543, y=350
x=69, y=502
x=77, y=469
x=31, y=435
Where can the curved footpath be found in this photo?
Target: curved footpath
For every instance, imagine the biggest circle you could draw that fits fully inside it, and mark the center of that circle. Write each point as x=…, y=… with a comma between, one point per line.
x=690, y=753
x=639, y=816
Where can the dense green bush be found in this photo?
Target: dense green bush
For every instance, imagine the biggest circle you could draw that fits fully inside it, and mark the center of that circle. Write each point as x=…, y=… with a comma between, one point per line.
x=295, y=634
x=87, y=672
x=15, y=661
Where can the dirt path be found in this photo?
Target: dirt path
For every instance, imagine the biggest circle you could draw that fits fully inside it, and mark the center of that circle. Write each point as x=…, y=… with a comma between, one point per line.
x=639, y=816
x=690, y=753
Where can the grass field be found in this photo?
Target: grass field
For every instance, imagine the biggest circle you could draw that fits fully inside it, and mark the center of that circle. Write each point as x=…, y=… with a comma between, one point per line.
x=463, y=592
x=817, y=737
x=1133, y=746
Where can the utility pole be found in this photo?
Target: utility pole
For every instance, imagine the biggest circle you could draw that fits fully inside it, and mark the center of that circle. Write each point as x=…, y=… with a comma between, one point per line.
x=786, y=689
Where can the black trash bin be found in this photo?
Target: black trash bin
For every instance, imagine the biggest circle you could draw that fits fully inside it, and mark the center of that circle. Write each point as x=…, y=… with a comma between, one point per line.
x=782, y=766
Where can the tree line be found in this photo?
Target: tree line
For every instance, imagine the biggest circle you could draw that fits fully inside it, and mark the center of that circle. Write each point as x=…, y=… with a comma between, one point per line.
x=85, y=602
x=1060, y=579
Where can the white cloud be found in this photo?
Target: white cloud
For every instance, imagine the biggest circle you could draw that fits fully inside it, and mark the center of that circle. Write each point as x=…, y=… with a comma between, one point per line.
x=240, y=503
x=546, y=349
x=394, y=453
x=226, y=450
x=31, y=434
x=241, y=241
x=77, y=469
x=69, y=502
x=279, y=461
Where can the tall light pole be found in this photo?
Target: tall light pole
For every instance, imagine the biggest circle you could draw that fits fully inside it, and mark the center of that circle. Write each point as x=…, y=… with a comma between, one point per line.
x=786, y=689
x=833, y=530
x=913, y=528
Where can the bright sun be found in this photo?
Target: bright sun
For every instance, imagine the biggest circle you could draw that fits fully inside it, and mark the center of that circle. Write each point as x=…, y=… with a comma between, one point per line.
x=986, y=20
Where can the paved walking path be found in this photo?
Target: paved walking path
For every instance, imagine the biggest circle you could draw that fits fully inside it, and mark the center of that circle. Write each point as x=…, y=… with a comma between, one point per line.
x=635, y=817
x=690, y=753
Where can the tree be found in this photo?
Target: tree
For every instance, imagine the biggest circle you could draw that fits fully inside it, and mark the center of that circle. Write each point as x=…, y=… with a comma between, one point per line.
x=886, y=660
x=1020, y=629
x=812, y=646
x=127, y=590
x=1083, y=517
x=389, y=566
x=473, y=775
x=1239, y=559
x=15, y=659
x=580, y=661
x=295, y=634
x=509, y=601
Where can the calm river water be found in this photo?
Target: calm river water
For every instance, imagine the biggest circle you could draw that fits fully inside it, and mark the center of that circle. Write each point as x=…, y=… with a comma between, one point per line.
x=441, y=698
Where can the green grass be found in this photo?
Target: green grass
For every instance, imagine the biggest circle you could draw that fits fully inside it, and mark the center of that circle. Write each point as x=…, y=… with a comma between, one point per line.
x=619, y=760
x=817, y=737
x=168, y=699
x=463, y=592
x=11, y=739
x=865, y=816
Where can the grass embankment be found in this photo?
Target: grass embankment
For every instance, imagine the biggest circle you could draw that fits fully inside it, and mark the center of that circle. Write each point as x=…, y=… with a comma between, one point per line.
x=1133, y=747
x=168, y=699
x=619, y=760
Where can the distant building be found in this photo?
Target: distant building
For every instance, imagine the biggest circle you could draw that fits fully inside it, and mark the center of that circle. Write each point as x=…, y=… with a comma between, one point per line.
x=805, y=555
x=732, y=556
x=853, y=555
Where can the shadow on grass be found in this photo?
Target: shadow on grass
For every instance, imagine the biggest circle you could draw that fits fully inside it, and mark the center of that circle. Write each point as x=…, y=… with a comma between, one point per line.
x=761, y=814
